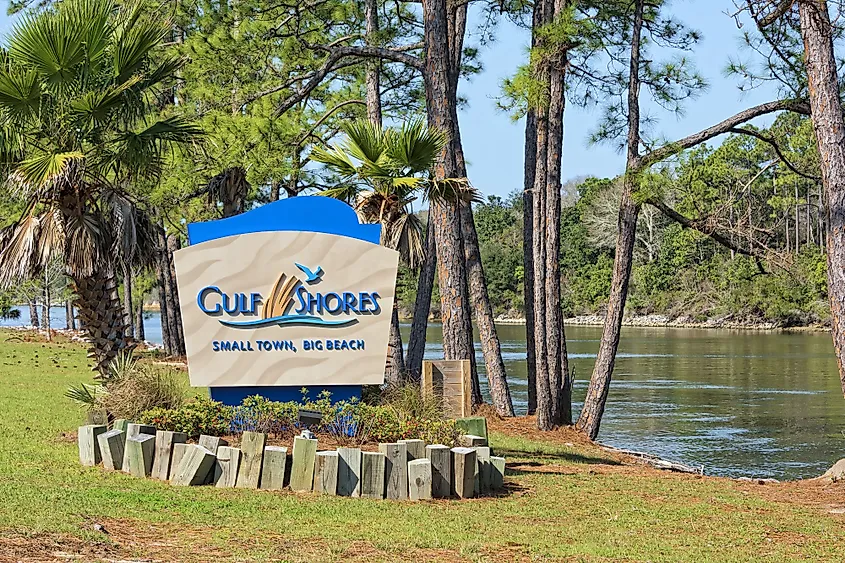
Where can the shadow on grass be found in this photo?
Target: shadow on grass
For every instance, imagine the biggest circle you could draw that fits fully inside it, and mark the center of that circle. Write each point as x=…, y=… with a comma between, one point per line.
x=554, y=457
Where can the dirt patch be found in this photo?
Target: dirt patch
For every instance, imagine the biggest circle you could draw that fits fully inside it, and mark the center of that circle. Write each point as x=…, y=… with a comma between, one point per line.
x=125, y=540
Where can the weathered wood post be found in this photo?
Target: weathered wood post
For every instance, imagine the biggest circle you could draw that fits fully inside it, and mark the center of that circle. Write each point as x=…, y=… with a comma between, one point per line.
x=441, y=470
x=497, y=473
x=419, y=479
x=325, y=473
x=133, y=429
x=396, y=470
x=211, y=443
x=193, y=468
x=89, y=445
x=483, y=482
x=139, y=453
x=302, y=464
x=472, y=441
x=464, y=462
x=164, y=452
x=273, y=468
x=415, y=448
x=372, y=474
x=226, y=463
x=111, y=448
x=120, y=424
x=178, y=452
x=349, y=472
x=252, y=454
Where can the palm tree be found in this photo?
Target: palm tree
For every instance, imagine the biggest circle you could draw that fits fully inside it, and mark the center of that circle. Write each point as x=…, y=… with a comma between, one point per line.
x=78, y=86
x=383, y=171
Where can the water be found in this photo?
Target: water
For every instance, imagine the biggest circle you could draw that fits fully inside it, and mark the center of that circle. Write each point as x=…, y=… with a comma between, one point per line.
x=738, y=402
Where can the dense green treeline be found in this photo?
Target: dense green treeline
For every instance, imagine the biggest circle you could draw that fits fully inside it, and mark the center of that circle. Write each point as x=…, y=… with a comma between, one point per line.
x=740, y=189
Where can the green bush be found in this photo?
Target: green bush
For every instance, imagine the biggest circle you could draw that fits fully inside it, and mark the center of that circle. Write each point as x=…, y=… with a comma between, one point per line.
x=200, y=416
x=141, y=388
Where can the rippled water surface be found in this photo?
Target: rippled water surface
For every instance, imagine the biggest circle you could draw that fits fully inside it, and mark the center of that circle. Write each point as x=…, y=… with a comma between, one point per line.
x=737, y=402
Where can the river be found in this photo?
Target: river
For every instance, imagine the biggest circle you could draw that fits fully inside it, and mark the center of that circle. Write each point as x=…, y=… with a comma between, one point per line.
x=762, y=404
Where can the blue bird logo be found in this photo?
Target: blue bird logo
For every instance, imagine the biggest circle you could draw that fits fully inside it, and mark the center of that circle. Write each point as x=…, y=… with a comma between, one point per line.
x=310, y=276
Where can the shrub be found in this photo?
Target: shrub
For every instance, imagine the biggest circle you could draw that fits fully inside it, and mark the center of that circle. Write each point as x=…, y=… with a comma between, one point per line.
x=258, y=414
x=200, y=416
x=144, y=388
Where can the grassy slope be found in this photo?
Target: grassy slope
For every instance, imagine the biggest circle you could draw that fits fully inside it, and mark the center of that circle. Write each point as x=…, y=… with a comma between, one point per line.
x=569, y=502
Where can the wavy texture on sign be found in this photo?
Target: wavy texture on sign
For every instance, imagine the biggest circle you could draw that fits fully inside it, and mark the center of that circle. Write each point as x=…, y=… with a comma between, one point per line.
x=287, y=320
x=255, y=262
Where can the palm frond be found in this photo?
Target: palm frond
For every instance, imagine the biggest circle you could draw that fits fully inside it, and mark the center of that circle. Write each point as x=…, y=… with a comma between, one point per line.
x=135, y=37
x=336, y=159
x=20, y=93
x=87, y=243
x=365, y=141
x=86, y=395
x=95, y=107
x=452, y=189
x=49, y=43
x=416, y=146
x=407, y=235
x=345, y=192
x=20, y=253
x=43, y=168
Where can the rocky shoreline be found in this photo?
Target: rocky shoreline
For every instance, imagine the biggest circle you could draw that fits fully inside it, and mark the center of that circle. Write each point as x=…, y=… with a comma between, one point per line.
x=664, y=321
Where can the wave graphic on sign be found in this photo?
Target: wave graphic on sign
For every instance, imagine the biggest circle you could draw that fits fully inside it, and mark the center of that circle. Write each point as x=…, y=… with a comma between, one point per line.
x=288, y=320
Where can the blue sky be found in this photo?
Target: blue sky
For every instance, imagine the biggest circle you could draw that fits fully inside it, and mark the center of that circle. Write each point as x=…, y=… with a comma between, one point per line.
x=493, y=143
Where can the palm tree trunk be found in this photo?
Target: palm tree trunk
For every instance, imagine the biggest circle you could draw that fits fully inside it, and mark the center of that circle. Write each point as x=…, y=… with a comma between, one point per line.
x=829, y=126
x=102, y=316
x=45, y=317
x=127, y=300
x=422, y=306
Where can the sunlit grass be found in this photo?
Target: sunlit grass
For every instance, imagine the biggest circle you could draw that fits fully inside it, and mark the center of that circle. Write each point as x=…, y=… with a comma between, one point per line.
x=570, y=511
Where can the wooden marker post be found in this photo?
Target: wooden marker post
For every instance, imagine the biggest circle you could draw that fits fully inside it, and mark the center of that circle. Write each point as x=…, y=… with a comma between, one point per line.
x=111, y=448
x=89, y=446
x=464, y=464
x=325, y=473
x=226, y=464
x=419, y=479
x=349, y=472
x=273, y=468
x=396, y=470
x=164, y=452
x=441, y=470
x=252, y=454
x=302, y=464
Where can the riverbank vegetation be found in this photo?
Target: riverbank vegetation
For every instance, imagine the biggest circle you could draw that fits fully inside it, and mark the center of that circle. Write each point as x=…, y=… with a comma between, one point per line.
x=565, y=498
x=150, y=118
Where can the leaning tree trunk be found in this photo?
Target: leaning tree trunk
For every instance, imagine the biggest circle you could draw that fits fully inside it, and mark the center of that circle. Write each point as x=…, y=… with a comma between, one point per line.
x=422, y=306
x=629, y=210
x=596, y=397
x=102, y=317
x=168, y=314
x=829, y=126
x=166, y=337
x=396, y=369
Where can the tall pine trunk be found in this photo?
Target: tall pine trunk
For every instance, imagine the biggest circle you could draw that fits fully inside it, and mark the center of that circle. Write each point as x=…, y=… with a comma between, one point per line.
x=33, y=313
x=422, y=306
x=173, y=244
x=140, y=330
x=70, y=321
x=629, y=210
x=829, y=126
x=445, y=213
x=530, y=166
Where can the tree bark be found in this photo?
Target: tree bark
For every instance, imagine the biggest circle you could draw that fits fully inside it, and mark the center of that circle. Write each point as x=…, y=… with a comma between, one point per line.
x=558, y=362
x=629, y=209
x=173, y=244
x=171, y=304
x=45, y=316
x=33, y=313
x=373, y=77
x=445, y=213
x=530, y=166
x=140, y=330
x=829, y=126
x=164, y=314
x=422, y=306
x=70, y=320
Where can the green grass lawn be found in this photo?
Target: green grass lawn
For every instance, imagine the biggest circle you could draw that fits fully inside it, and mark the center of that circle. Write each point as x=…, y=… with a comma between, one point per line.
x=563, y=502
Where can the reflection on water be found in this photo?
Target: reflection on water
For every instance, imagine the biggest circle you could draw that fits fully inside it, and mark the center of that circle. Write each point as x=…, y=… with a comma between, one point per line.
x=739, y=403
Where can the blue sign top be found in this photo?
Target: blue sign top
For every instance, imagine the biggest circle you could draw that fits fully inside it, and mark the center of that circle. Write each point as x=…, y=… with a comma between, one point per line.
x=315, y=214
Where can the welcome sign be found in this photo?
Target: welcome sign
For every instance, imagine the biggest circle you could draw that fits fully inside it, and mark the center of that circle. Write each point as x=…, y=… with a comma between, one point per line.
x=293, y=294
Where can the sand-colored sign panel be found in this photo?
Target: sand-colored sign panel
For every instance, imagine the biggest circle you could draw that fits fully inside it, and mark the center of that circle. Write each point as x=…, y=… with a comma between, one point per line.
x=286, y=308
